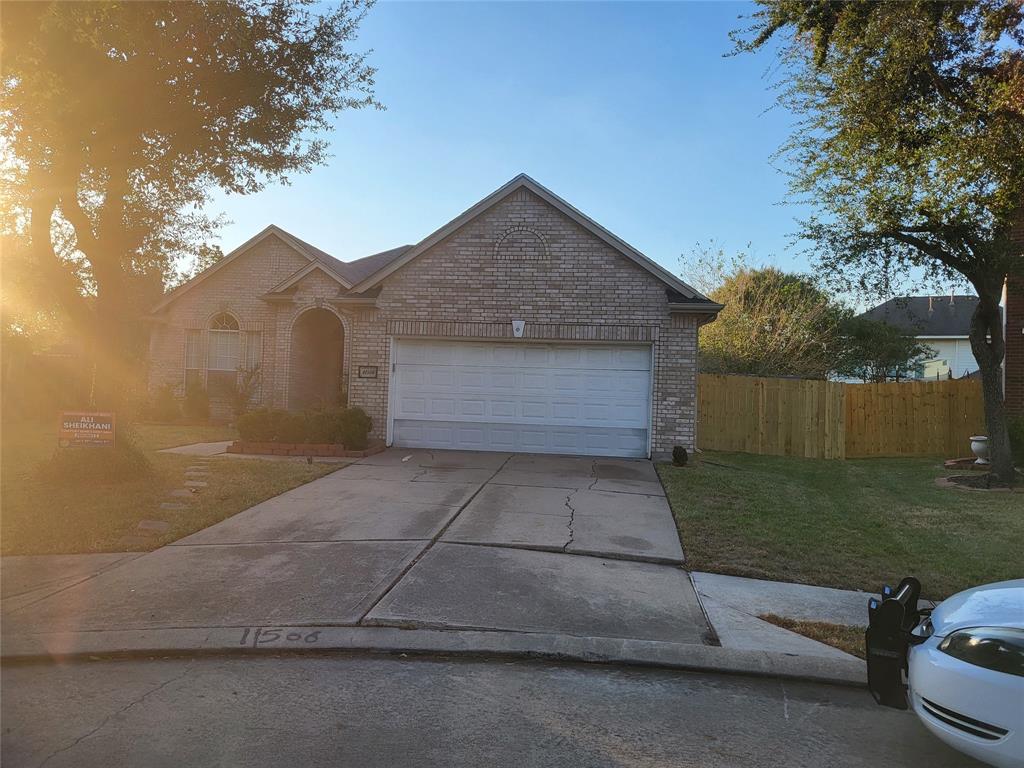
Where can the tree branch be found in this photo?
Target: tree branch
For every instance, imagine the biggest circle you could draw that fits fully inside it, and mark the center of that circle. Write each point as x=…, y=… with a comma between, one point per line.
x=943, y=89
x=903, y=235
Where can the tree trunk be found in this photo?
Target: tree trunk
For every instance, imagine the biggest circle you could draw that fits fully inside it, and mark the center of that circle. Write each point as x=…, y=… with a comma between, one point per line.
x=100, y=326
x=987, y=343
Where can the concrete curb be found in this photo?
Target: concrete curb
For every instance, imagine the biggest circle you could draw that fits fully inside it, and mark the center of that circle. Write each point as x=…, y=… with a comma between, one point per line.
x=52, y=647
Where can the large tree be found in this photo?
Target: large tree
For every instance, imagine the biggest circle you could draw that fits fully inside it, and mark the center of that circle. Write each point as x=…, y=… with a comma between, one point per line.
x=117, y=119
x=774, y=323
x=911, y=146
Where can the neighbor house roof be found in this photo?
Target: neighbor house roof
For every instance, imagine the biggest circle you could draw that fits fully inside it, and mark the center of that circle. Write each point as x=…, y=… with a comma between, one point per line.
x=687, y=294
x=935, y=316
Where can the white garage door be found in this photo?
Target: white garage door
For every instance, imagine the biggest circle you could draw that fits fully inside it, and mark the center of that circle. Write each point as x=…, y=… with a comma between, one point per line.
x=543, y=398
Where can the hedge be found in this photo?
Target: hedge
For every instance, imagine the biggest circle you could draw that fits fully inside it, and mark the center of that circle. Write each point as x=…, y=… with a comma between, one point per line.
x=337, y=426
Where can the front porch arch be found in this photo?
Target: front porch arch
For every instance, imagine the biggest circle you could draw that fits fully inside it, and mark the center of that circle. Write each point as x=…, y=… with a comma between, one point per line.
x=316, y=368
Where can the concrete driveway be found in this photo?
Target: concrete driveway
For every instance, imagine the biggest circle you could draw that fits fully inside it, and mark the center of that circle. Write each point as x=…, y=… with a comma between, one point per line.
x=442, y=539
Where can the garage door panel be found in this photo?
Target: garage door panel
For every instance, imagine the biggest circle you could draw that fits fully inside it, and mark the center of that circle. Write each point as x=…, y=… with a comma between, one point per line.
x=413, y=406
x=634, y=382
x=533, y=409
x=503, y=409
x=441, y=406
x=566, y=411
x=528, y=439
x=412, y=375
x=634, y=358
x=567, y=442
x=535, y=381
x=442, y=378
x=503, y=379
x=556, y=398
x=599, y=382
x=532, y=440
x=521, y=355
x=565, y=357
x=471, y=408
x=566, y=382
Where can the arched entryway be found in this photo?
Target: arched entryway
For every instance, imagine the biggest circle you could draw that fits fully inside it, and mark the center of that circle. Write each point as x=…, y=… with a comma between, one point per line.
x=317, y=360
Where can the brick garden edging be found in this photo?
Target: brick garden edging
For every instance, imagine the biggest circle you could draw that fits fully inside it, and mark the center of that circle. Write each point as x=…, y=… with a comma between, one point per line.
x=304, y=449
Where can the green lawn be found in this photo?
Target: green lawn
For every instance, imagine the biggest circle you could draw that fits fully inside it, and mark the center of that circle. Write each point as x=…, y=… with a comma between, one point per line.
x=850, y=524
x=40, y=517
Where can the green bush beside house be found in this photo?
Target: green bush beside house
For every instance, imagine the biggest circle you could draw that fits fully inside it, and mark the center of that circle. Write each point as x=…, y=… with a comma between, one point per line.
x=338, y=426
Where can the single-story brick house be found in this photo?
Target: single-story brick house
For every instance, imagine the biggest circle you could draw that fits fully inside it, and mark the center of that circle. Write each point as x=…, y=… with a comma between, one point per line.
x=520, y=325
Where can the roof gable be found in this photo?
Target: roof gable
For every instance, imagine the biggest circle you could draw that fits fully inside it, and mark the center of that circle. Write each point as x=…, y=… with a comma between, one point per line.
x=328, y=263
x=687, y=293
x=295, y=277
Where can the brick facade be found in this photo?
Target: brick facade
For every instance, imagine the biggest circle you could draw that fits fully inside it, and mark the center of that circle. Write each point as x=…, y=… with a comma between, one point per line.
x=520, y=259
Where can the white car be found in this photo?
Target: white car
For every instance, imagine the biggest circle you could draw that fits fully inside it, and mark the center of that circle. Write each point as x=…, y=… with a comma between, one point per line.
x=963, y=662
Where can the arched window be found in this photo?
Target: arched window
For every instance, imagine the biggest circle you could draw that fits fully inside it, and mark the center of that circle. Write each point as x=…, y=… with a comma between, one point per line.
x=223, y=355
x=224, y=322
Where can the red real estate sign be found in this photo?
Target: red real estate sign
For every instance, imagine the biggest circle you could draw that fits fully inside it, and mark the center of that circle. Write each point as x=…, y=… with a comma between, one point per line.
x=79, y=429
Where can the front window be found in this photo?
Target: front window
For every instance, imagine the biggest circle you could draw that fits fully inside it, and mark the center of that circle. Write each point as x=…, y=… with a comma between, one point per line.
x=193, y=358
x=223, y=355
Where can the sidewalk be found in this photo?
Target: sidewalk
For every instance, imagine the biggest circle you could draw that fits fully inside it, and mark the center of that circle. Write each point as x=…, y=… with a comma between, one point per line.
x=749, y=646
x=733, y=605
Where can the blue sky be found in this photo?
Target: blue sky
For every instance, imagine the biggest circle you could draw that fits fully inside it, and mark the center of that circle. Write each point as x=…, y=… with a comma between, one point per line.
x=630, y=111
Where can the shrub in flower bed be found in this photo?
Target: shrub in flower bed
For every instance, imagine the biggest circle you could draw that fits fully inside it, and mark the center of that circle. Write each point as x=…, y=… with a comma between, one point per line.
x=349, y=427
x=305, y=449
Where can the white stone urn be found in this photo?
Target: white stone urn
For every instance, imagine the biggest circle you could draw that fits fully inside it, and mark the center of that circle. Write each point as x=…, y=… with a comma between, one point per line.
x=979, y=444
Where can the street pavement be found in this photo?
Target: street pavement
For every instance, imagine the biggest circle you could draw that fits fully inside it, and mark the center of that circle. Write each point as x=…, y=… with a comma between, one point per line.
x=307, y=710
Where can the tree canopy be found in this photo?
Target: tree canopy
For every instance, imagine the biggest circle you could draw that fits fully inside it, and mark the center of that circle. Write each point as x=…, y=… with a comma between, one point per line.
x=117, y=119
x=910, y=146
x=773, y=323
x=877, y=352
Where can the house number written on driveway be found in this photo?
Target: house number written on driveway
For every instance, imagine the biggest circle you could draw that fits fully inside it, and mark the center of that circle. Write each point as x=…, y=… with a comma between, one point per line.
x=257, y=636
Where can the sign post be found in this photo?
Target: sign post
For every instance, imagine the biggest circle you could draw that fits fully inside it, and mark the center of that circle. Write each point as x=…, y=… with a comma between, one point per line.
x=86, y=429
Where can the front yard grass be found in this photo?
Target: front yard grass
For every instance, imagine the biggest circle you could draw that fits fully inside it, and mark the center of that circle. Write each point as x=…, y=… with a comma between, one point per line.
x=852, y=524
x=40, y=517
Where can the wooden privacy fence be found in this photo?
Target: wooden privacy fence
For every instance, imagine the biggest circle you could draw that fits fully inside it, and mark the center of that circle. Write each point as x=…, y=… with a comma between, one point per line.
x=828, y=420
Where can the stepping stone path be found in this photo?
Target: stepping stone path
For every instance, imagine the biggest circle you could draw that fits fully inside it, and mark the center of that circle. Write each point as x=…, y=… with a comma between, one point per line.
x=197, y=476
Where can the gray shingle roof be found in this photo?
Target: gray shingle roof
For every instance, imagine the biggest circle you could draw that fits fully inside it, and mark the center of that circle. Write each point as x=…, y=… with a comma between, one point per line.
x=357, y=270
x=927, y=315
x=337, y=265
x=360, y=269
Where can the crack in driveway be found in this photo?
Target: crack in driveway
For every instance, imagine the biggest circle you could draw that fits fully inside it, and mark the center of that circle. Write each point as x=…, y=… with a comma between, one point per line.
x=572, y=510
x=572, y=519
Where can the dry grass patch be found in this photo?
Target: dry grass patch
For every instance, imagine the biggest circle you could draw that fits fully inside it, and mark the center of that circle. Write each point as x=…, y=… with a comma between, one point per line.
x=847, y=639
